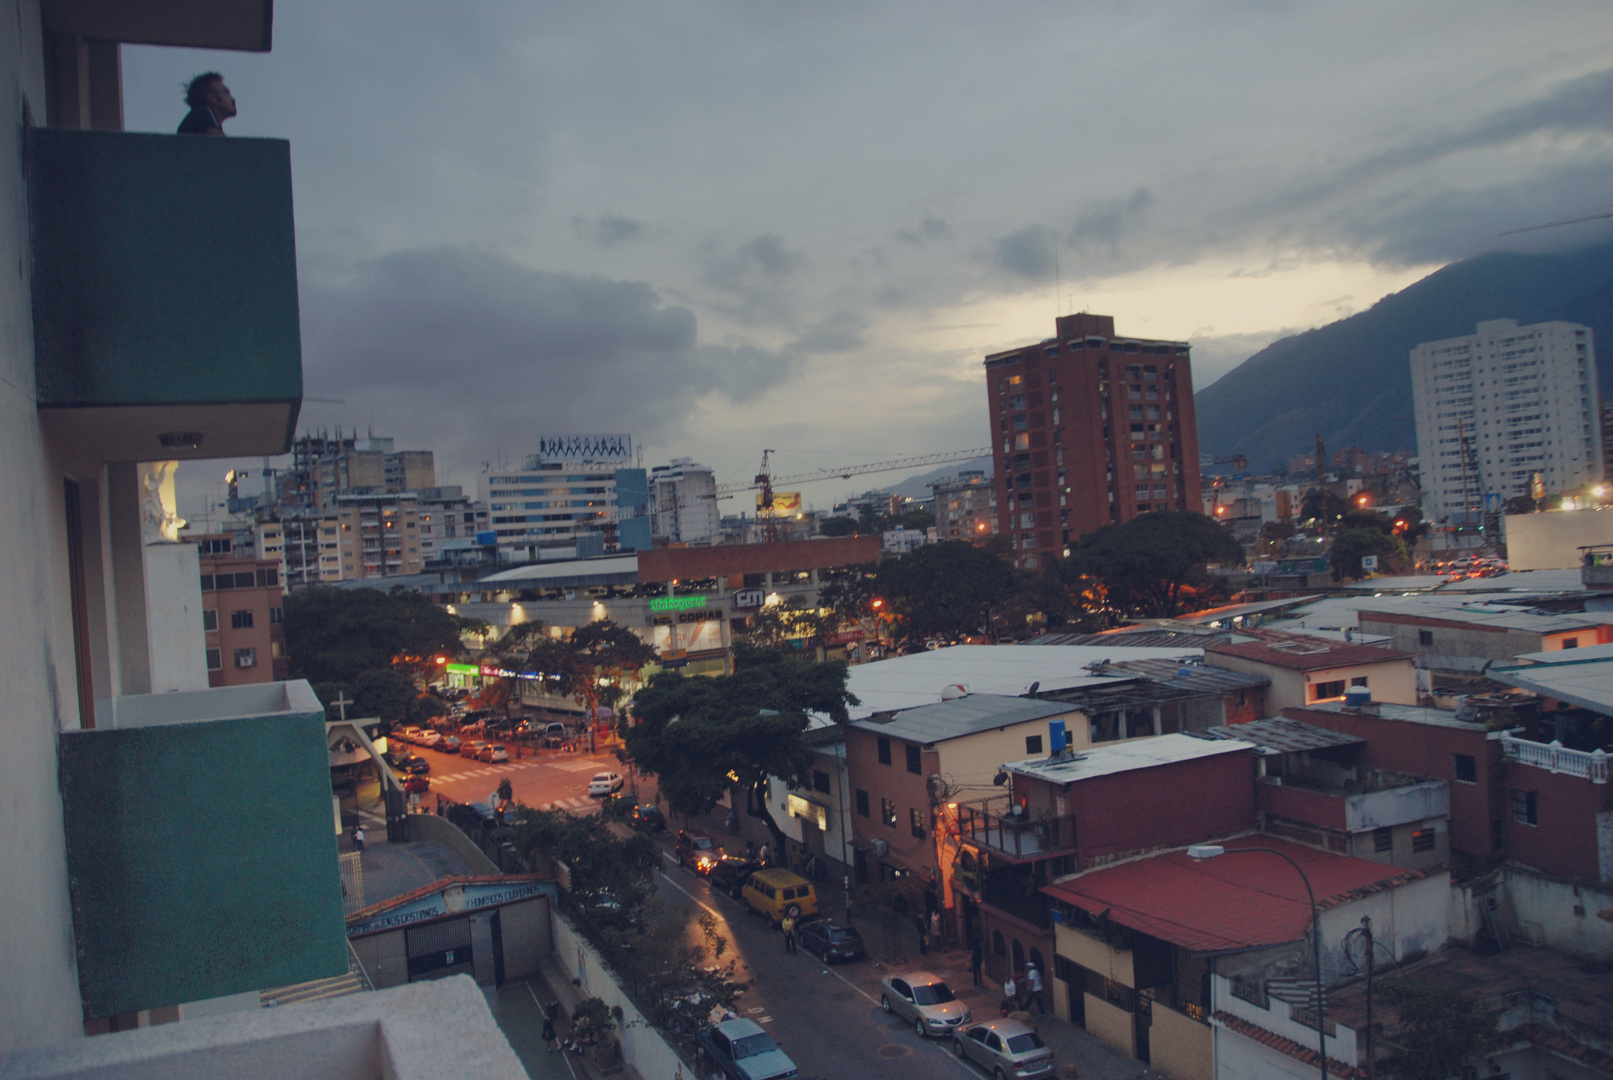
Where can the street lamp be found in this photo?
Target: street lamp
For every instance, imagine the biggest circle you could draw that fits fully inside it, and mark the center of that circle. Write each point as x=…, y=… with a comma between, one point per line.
x=1211, y=851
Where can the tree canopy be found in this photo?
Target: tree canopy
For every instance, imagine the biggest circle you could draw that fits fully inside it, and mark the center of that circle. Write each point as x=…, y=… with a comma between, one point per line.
x=594, y=652
x=704, y=737
x=335, y=635
x=1441, y=1029
x=946, y=589
x=1146, y=563
x=1350, y=544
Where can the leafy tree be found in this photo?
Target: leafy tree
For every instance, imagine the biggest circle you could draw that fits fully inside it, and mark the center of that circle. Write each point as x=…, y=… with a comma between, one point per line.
x=704, y=737
x=598, y=651
x=1441, y=1029
x=1362, y=518
x=1272, y=535
x=601, y=862
x=839, y=526
x=423, y=707
x=1349, y=545
x=1150, y=563
x=335, y=635
x=776, y=626
x=1322, y=505
x=944, y=590
x=382, y=692
x=510, y=652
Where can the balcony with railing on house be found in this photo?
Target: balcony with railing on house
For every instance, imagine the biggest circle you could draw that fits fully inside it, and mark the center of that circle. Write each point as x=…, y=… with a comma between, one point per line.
x=997, y=825
x=1352, y=799
x=1556, y=758
x=130, y=233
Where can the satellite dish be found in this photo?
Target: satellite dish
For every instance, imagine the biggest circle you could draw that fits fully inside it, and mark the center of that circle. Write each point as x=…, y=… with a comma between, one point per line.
x=954, y=691
x=1035, y=686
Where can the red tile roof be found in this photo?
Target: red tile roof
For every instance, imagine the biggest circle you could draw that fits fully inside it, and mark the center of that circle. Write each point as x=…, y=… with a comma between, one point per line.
x=1286, y=1046
x=1302, y=653
x=440, y=884
x=1569, y=1048
x=1231, y=902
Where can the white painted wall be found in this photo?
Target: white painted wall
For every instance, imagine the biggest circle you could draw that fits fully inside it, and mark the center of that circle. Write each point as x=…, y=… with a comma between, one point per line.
x=39, y=1002
x=178, y=643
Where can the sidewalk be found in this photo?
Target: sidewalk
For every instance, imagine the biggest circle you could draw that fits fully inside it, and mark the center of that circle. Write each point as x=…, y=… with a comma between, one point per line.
x=518, y=1008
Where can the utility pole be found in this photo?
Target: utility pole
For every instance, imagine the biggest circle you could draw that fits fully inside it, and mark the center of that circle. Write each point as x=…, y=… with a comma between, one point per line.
x=1372, y=1057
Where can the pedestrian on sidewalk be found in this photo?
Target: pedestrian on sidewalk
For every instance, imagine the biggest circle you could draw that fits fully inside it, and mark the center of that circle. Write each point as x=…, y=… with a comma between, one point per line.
x=789, y=934
x=358, y=839
x=1010, y=995
x=924, y=938
x=937, y=931
x=1033, y=988
x=977, y=959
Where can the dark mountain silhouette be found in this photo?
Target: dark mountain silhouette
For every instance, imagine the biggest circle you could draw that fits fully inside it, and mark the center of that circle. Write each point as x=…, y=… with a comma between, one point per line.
x=1350, y=381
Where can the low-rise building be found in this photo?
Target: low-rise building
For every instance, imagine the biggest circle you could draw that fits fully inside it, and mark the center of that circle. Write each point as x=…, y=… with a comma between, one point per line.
x=1073, y=811
x=243, y=606
x=1313, y=789
x=1155, y=953
x=1448, y=635
x=1305, y=670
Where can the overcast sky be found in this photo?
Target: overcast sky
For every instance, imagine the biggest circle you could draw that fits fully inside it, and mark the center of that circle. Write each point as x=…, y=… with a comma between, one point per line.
x=727, y=226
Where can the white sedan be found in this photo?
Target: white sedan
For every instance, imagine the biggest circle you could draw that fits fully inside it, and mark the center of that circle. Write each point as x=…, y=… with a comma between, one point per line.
x=605, y=783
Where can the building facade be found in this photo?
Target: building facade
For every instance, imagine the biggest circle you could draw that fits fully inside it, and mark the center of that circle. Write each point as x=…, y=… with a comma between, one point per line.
x=1089, y=430
x=1499, y=406
x=683, y=500
x=574, y=501
x=965, y=506
x=243, y=615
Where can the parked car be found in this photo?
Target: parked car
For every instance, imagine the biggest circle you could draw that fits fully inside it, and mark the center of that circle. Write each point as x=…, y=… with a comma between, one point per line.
x=924, y=999
x=471, y=748
x=696, y=850
x=776, y=893
x=449, y=744
x=410, y=734
x=743, y=1051
x=1004, y=1048
x=830, y=942
x=428, y=739
x=413, y=763
x=648, y=818
x=731, y=872
x=605, y=783
x=416, y=785
x=492, y=753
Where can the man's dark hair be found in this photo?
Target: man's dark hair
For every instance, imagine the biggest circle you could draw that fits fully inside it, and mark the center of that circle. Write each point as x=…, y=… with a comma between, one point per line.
x=196, y=92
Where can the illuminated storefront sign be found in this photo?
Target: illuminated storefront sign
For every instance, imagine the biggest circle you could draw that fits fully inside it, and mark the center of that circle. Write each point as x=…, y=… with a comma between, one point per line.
x=677, y=603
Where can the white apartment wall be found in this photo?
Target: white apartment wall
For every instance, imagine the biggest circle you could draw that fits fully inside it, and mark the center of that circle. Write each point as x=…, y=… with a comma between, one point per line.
x=1551, y=541
x=174, y=618
x=39, y=1001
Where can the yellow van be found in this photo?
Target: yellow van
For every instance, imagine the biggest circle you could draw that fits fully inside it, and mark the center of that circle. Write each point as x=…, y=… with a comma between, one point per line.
x=776, y=893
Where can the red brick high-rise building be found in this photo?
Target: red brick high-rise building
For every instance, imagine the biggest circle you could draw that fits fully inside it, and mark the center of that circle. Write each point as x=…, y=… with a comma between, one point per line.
x=1089, y=430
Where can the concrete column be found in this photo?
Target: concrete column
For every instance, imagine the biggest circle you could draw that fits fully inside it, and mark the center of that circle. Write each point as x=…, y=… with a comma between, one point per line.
x=126, y=562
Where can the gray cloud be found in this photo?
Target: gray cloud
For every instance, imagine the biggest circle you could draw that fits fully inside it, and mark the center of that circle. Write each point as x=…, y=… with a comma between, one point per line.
x=930, y=230
x=474, y=350
x=607, y=230
x=1030, y=252
x=755, y=278
x=838, y=332
x=1103, y=224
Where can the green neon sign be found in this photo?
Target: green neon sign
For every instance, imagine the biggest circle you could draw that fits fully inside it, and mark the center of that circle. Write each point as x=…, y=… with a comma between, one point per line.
x=463, y=669
x=677, y=603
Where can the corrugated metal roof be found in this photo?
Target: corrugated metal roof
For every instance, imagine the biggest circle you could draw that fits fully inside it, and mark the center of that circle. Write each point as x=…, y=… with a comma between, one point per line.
x=962, y=716
x=619, y=568
x=906, y=682
x=1231, y=902
x=1303, y=652
x=1234, y=611
x=1111, y=758
x=1151, y=638
x=1587, y=683
x=1283, y=735
x=1193, y=678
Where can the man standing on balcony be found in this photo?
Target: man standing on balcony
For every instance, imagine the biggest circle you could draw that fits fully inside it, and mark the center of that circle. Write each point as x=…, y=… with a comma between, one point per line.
x=211, y=103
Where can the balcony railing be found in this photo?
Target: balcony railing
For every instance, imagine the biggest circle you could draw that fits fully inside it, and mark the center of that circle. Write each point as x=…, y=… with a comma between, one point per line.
x=1016, y=837
x=1557, y=758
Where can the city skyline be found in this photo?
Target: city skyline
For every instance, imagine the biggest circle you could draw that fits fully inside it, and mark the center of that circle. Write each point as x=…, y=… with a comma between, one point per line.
x=579, y=208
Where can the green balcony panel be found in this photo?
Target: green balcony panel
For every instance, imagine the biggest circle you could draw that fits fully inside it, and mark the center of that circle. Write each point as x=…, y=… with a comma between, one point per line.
x=201, y=849
x=165, y=293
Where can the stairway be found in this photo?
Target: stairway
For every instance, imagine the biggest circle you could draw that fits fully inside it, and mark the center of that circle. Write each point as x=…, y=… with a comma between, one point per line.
x=353, y=982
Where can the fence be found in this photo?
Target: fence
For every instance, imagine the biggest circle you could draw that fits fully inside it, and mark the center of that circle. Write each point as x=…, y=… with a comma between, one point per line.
x=1557, y=758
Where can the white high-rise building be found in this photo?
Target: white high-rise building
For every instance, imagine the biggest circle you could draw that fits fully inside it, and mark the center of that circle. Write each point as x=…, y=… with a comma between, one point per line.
x=683, y=498
x=1498, y=406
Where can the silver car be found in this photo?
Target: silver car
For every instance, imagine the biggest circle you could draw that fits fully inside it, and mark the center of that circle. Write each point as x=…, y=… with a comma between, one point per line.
x=1007, y=1049
x=925, y=1000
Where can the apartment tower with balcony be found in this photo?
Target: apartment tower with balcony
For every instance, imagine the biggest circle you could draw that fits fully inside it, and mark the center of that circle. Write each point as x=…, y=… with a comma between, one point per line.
x=1088, y=429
